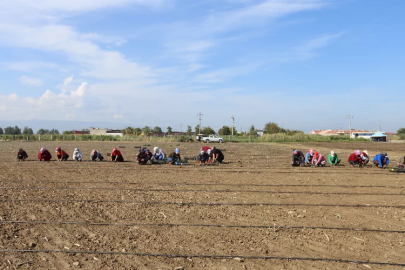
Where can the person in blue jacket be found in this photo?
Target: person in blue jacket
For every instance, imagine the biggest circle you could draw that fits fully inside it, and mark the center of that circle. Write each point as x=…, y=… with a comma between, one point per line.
x=381, y=159
x=309, y=156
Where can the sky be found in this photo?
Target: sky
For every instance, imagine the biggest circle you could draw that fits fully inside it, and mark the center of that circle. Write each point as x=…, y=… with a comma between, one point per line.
x=304, y=64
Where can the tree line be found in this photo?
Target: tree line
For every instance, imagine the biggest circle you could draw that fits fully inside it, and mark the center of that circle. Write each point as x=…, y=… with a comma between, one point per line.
x=26, y=131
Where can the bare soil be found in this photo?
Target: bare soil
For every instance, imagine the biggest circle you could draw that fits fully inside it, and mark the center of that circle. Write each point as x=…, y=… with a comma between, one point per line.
x=133, y=211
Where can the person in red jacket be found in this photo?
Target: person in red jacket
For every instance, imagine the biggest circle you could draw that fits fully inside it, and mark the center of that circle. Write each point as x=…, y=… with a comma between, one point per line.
x=44, y=155
x=61, y=155
x=355, y=159
x=116, y=155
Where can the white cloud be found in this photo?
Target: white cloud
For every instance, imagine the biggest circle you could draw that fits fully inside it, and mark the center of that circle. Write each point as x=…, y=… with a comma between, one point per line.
x=309, y=49
x=13, y=97
x=25, y=80
x=68, y=80
x=259, y=14
x=221, y=75
x=81, y=90
x=94, y=61
x=27, y=66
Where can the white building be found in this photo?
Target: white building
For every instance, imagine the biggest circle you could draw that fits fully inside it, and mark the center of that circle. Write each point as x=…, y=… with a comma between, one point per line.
x=105, y=131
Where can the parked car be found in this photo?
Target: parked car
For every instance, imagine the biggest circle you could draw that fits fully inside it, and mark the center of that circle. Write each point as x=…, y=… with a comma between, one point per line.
x=213, y=138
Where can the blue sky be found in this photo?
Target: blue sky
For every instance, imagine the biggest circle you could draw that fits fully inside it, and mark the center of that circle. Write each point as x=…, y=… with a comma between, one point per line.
x=303, y=63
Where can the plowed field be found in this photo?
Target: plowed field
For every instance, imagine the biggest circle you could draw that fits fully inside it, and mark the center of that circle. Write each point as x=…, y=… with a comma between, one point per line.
x=255, y=212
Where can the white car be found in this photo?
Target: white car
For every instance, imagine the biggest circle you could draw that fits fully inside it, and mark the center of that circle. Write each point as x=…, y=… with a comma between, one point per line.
x=213, y=138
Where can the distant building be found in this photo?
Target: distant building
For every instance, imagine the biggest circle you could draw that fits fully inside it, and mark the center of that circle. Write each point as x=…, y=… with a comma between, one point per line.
x=260, y=132
x=379, y=137
x=81, y=132
x=366, y=134
x=106, y=131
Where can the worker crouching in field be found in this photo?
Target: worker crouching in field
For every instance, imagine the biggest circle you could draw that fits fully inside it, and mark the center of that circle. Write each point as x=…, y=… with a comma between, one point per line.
x=61, y=155
x=202, y=158
x=158, y=154
x=309, y=156
x=174, y=157
x=116, y=155
x=401, y=162
x=381, y=160
x=143, y=156
x=217, y=155
x=355, y=159
x=77, y=155
x=364, y=158
x=96, y=156
x=333, y=158
x=298, y=158
x=21, y=155
x=44, y=155
x=318, y=160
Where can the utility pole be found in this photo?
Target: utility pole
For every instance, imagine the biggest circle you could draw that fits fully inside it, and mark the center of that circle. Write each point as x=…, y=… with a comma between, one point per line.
x=379, y=125
x=233, y=123
x=181, y=128
x=199, y=127
x=350, y=124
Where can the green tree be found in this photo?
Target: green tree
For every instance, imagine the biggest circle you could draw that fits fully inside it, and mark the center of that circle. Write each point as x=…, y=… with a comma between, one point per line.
x=252, y=131
x=146, y=131
x=9, y=130
x=128, y=131
x=271, y=128
x=28, y=131
x=207, y=131
x=157, y=130
x=1, y=131
x=197, y=129
x=137, y=131
x=17, y=130
x=67, y=132
x=401, y=131
x=225, y=130
x=169, y=130
x=53, y=131
x=189, y=130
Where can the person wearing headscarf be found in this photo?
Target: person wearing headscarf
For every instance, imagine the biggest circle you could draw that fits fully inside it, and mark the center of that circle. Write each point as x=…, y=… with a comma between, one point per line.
x=333, y=158
x=202, y=158
x=116, y=155
x=96, y=156
x=205, y=148
x=61, y=155
x=364, y=157
x=217, y=155
x=174, y=157
x=355, y=159
x=21, y=155
x=401, y=162
x=158, y=154
x=319, y=160
x=44, y=155
x=77, y=154
x=309, y=156
x=143, y=156
x=381, y=159
x=297, y=158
